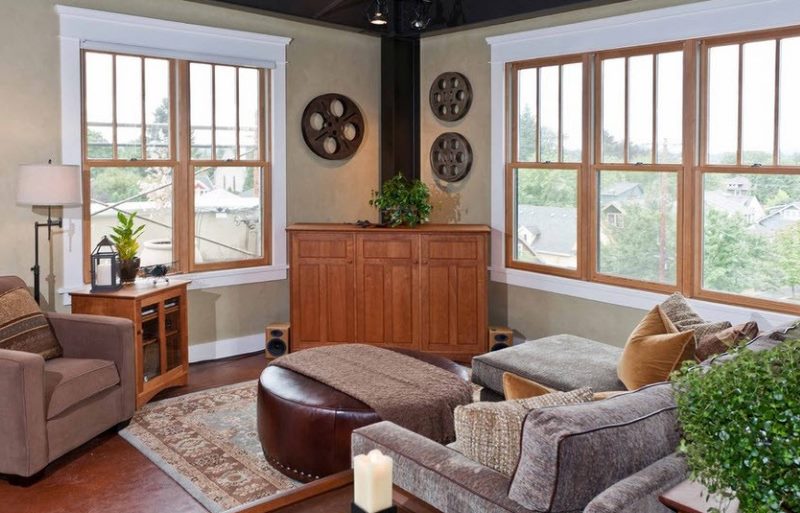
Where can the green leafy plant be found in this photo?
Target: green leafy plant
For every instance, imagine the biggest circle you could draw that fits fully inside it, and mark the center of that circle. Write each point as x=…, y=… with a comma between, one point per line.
x=126, y=236
x=741, y=426
x=403, y=202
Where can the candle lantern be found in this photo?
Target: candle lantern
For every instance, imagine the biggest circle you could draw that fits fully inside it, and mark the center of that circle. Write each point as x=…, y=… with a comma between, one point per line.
x=105, y=267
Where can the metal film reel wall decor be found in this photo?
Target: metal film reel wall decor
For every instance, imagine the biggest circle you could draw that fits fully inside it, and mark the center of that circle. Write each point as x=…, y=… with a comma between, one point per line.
x=333, y=126
x=450, y=96
x=451, y=157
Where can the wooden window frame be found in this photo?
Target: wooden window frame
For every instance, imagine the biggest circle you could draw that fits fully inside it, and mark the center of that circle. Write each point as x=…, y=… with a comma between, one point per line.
x=513, y=162
x=703, y=167
x=181, y=164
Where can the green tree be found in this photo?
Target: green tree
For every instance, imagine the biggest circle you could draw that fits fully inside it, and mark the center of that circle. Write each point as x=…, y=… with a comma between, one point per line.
x=787, y=248
x=114, y=184
x=733, y=255
x=527, y=135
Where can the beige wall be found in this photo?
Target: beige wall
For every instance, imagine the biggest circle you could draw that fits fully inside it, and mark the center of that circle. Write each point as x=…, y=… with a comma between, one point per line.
x=531, y=312
x=320, y=60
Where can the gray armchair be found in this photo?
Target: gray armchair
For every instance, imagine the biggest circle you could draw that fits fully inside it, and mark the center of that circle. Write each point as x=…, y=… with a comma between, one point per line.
x=48, y=408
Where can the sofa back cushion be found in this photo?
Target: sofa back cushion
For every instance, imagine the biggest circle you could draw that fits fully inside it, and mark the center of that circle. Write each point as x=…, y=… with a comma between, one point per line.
x=570, y=454
x=23, y=326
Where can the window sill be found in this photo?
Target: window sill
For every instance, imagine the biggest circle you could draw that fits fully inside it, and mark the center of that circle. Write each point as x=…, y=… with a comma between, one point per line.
x=631, y=298
x=213, y=279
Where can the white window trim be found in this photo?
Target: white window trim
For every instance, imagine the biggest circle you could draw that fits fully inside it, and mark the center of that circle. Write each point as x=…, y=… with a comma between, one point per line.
x=90, y=28
x=702, y=19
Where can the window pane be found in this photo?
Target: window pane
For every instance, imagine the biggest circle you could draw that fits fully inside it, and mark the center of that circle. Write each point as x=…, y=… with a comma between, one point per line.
x=751, y=235
x=638, y=225
x=129, y=107
x=789, y=115
x=228, y=214
x=723, y=104
x=98, y=80
x=640, y=109
x=156, y=99
x=526, y=129
x=146, y=191
x=225, y=111
x=248, y=114
x=200, y=109
x=548, y=107
x=669, y=108
x=758, y=103
x=613, y=110
x=546, y=217
x=572, y=111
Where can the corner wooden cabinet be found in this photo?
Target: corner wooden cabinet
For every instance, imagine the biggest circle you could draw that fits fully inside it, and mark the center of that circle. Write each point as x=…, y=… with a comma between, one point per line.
x=159, y=315
x=421, y=288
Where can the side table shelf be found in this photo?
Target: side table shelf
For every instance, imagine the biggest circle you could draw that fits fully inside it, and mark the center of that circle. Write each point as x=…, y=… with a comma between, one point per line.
x=159, y=314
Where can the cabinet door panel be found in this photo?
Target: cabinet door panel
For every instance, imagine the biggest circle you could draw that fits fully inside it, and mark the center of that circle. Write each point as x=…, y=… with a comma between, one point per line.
x=388, y=285
x=322, y=289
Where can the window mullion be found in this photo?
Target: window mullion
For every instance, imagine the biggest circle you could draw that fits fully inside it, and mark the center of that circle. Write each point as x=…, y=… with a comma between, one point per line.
x=538, y=131
x=740, y=107
x=776, y=132
x=114, y=107
x=654, y=136
x=626, y=112
x=236, y=92
x=560, y=134
x=143, y=113
x=213, y=111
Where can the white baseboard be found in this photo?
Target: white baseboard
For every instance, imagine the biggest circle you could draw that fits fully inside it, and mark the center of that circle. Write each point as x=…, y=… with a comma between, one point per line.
x=226, y=348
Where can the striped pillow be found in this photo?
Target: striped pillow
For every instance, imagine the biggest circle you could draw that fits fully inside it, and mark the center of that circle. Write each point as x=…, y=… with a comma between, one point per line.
x=23, y=326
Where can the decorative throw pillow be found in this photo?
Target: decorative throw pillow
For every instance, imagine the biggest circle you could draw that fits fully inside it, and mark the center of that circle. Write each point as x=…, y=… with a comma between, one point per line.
x=653, y=351
x=489, y=432
x=720, y=342
x=23, y=326
x=517, y=387
x=678, y=310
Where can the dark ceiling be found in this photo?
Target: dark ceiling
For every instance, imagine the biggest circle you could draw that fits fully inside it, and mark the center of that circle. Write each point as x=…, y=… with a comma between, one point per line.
x=444, y=15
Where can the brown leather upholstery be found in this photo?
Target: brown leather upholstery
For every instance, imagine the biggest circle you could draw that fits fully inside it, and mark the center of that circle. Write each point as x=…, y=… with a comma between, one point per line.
x=305, y=426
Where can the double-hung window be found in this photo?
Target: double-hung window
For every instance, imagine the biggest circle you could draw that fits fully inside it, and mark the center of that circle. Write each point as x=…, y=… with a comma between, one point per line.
x=183, y=145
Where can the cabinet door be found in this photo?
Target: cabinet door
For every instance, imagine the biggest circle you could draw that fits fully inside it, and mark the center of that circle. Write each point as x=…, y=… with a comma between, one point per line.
x=453, y=290
x=322, y=289
x=387, y=280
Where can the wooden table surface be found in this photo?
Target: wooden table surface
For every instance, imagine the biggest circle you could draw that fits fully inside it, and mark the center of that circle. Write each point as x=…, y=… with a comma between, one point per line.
x=692, y=497
x=332, y=494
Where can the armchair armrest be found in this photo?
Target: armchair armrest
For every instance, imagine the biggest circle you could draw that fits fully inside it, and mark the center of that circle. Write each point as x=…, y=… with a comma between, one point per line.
x=23, y=446
x=103, y=338
x=638, y=493
x=442, y=477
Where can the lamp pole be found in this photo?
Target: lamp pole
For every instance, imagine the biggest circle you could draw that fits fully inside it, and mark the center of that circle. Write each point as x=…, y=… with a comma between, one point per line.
x=36, y=270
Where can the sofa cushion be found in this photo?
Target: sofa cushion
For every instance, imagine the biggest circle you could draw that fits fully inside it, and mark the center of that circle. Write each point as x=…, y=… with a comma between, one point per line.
x=572, y=453
x=23, y=326
x=678, y=310
x=489, y=433
x=561, y=362
x=69, y=381
x=716, y=343
x=654, y=350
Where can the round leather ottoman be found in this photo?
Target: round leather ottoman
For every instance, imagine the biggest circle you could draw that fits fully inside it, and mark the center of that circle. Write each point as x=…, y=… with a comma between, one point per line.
x=304, y=426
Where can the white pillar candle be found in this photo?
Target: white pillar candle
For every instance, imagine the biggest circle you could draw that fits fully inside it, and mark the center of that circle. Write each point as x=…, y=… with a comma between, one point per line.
x=372, y=481
x=103, y=273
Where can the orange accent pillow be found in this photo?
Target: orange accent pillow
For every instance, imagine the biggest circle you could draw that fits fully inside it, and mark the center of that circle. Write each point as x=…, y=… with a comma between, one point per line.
x=517, y=387
x=654, y=350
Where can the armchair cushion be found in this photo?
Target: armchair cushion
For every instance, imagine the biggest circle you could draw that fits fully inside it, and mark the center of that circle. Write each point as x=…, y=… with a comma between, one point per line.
x=23, y=326
x=69, y=381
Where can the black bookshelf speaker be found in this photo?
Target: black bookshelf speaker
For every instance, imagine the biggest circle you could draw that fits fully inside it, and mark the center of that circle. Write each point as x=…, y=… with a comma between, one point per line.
x=500, y=337
x=277, y=340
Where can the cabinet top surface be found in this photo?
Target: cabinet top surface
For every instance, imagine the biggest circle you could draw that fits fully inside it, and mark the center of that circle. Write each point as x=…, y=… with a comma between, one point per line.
x=141, y=288
x=425, y=228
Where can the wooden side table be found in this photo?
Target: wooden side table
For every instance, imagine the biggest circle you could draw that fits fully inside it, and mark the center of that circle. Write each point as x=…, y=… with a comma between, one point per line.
x=691, y=497
x=159, y=315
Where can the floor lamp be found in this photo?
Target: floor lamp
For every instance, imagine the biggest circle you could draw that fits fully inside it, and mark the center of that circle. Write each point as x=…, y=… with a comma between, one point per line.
x=48, y=185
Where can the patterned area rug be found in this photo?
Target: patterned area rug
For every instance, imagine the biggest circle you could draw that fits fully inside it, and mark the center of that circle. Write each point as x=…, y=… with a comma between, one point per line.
x=208, y=443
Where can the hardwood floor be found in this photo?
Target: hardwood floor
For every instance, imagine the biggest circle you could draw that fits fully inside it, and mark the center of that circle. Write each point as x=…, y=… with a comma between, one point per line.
x=107, y=475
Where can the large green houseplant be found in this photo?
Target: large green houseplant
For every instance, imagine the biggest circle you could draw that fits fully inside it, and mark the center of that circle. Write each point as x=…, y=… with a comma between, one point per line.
x=126, y=239
x=741, y=427
x=403, y=202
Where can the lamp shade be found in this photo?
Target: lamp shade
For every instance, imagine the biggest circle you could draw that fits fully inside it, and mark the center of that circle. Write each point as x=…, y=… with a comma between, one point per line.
x=49, y=185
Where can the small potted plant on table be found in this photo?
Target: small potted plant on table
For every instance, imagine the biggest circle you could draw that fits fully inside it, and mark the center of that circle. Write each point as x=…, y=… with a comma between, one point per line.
x=403, y=202
x=741, y=427
x=126, y=239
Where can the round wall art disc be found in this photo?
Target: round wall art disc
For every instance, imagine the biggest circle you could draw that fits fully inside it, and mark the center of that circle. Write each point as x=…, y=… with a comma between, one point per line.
x=450, y=96
x=451, y=157
x=333, y=126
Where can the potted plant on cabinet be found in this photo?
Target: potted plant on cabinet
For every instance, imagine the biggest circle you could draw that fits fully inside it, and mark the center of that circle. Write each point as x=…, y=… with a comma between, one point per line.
x=403, y=202
x=126, y=239
x=741, y=427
